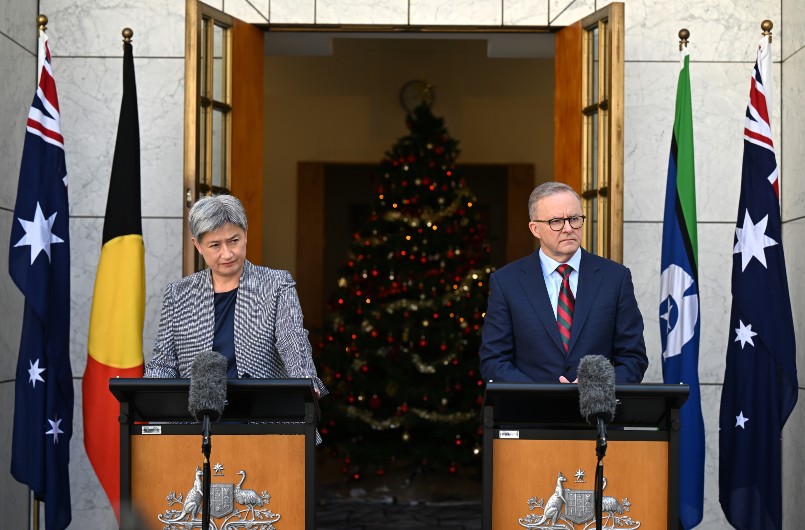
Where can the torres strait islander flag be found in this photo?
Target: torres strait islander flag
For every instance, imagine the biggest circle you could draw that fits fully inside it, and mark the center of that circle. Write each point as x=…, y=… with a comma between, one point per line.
x=115, y=346
x=679, y=301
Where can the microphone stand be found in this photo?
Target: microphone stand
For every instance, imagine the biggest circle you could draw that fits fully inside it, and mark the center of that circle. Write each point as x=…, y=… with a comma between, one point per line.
x=206, y=449
x=600, y=452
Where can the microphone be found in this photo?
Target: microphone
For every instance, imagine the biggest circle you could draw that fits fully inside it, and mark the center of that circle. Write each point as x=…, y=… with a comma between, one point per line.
x=205, y=401
x=597, y=404
x=596, y=388
x=207, y=395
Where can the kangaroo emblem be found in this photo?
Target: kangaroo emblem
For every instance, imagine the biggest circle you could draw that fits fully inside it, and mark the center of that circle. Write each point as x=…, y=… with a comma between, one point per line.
x=553, y=508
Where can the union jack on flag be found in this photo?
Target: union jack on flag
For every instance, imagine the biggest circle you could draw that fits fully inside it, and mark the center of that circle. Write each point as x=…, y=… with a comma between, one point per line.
x=760, y=382
x=39, y=264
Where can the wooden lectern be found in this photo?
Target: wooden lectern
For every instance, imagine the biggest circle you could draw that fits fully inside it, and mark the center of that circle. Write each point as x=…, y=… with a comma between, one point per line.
x=262, y=455
x=539, y=458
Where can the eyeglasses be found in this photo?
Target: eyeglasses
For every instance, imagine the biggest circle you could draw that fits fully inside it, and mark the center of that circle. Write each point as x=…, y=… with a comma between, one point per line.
x=558, y=223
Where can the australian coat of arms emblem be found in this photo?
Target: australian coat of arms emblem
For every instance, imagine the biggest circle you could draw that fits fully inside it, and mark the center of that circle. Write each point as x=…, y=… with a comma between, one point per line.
x=231, y=506
x=568, y=509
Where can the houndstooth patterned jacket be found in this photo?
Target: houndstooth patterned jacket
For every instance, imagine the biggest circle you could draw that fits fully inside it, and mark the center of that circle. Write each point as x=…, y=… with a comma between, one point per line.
x=270, y=341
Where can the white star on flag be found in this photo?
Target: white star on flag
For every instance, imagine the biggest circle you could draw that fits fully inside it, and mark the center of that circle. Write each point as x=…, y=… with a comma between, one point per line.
x=54, y=429
x=744, y=334
x=752, y=240
x=740, y=420
x=34, y=373
x=38, y=233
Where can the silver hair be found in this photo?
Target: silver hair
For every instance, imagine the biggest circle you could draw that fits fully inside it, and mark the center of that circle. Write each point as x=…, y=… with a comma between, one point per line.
x=547, y=189
x=211, y=213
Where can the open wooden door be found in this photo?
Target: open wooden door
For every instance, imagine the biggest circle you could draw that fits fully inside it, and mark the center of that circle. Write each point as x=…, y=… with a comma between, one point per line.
x=588, y=123
x=223, y=137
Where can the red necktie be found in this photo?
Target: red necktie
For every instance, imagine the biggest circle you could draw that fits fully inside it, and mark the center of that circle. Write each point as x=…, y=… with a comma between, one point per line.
x=564, y=308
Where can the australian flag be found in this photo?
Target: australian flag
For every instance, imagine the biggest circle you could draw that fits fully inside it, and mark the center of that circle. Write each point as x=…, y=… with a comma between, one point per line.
x=760, y=382
x=39, y=264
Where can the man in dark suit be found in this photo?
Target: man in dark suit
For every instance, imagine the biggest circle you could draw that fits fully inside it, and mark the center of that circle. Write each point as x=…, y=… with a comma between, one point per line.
x=548, y=310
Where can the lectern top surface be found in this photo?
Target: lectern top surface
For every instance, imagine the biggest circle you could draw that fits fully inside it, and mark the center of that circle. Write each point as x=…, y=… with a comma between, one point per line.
x=246, y=399
x=644, y=405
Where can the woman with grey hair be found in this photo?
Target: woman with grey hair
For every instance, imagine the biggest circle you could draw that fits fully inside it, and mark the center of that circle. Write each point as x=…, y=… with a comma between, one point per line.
x=249, y=314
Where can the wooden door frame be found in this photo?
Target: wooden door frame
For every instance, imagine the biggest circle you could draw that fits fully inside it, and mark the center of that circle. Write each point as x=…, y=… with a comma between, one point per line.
x=570, y=134
x=246, y=131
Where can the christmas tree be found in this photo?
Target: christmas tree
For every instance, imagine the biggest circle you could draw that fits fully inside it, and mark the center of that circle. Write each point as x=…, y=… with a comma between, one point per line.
x=400, y=350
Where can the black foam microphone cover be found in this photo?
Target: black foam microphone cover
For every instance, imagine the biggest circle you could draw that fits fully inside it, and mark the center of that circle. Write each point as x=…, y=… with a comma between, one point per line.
x=207, y=394
x=596, y=388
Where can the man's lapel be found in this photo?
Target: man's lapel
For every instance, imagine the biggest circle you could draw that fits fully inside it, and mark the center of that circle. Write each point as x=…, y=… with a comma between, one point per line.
x=534, y=286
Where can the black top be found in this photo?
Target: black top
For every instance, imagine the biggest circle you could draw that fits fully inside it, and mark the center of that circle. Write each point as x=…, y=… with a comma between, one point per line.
x=223, y=340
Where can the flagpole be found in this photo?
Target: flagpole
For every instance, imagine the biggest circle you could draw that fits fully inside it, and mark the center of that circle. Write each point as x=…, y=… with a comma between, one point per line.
x=42, y=24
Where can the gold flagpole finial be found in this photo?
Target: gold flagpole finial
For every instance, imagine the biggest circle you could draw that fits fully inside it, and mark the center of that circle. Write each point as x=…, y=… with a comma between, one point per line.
x=42, y=22
x=684, y=35
x=766, y=26
x=127, y=34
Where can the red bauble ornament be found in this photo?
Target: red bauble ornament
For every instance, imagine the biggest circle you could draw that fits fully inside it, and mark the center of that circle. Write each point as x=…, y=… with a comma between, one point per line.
x=374, y=402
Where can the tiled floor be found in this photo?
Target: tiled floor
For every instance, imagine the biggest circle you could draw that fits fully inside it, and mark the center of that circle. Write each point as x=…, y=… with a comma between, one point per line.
x=399, y=500
x=351, y=514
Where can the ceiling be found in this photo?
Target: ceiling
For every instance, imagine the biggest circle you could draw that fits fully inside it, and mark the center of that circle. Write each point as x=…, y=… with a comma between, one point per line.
x=498, y=45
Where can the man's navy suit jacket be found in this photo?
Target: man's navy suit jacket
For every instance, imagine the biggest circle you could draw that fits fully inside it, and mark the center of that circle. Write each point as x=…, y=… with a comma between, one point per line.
x=520, y=338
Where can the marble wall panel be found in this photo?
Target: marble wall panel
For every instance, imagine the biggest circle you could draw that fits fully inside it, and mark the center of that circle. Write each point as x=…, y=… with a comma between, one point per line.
x=93, y=29
x=456, y=12
x=721, y=30
x=362, y=12
x=715, y=284
x=85, y=251
x=163, y=264
x=160, y=94
x=642, y=252
x=792, y=156
x=713, y=518
x=525, y=12
x=292, y=11
x=13, y=302
x=251, y=11
x=18, y=23
x=90, y=91
x=793, y=28
x=217, y=4
x=719, y=97
x=794, y=246
x=14, y=500
x=565, y=12
x=16, y=94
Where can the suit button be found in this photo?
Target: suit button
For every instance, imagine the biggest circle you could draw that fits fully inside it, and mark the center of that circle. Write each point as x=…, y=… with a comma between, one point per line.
x=568, y=369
